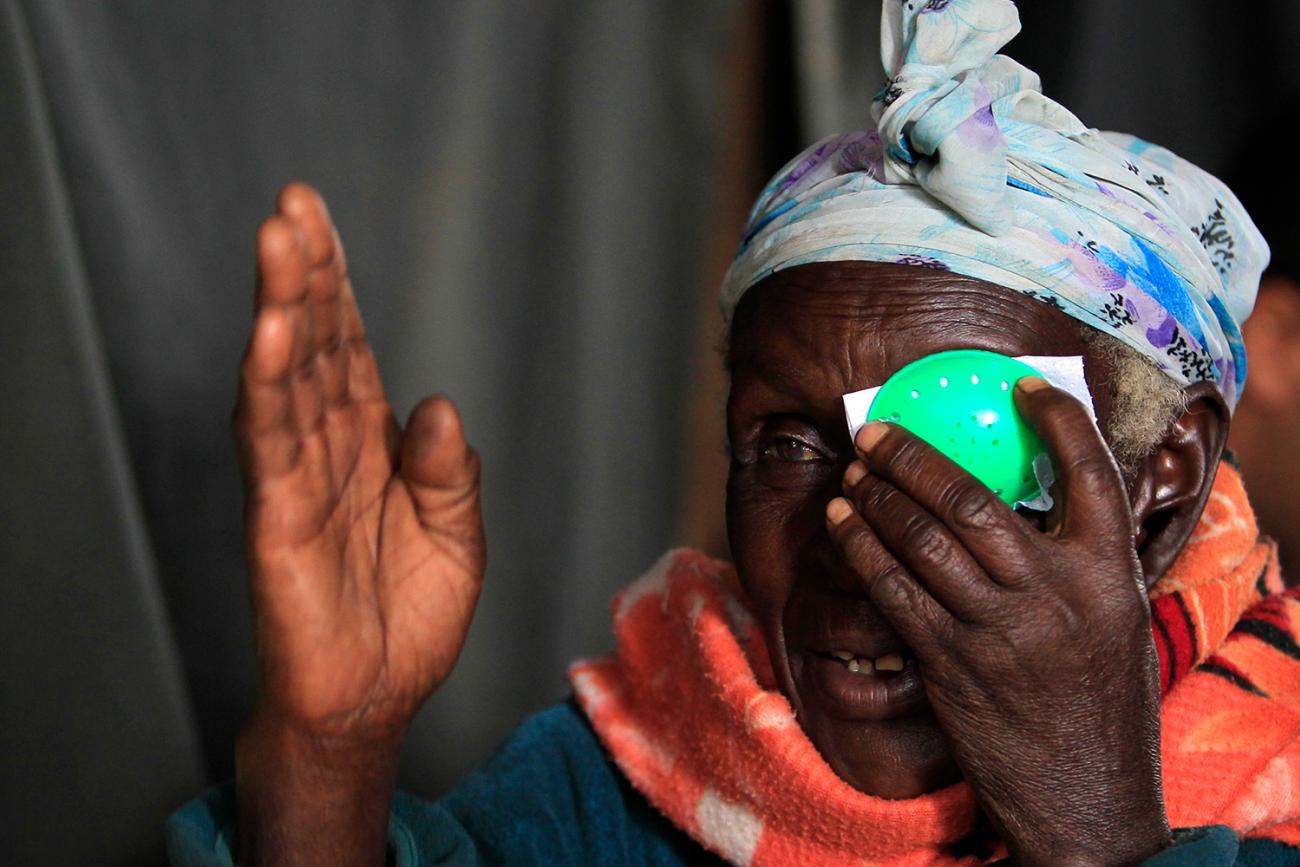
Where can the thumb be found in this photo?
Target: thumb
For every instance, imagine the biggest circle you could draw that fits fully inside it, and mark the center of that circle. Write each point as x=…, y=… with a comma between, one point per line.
x=440, y=469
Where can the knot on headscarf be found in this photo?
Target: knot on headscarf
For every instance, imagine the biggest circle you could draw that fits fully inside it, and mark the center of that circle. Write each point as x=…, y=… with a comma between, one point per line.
x=936, y=111
x=972, y=169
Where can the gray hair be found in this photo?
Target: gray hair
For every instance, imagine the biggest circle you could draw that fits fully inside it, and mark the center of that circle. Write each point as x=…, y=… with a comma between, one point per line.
x=1145, y=402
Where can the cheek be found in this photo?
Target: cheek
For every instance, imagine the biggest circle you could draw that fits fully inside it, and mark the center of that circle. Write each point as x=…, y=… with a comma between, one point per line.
x=774, y=537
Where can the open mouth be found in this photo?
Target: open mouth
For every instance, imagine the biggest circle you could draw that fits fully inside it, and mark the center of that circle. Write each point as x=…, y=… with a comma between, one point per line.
x=852, y=686
x=846, y=662
x=884, y=667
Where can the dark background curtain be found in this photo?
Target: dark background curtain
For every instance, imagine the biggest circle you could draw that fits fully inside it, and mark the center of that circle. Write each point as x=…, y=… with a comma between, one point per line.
x=524, y=190
x=537, y=199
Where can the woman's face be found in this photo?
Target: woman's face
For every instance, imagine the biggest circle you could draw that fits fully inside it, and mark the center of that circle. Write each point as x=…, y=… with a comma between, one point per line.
x=799, y=341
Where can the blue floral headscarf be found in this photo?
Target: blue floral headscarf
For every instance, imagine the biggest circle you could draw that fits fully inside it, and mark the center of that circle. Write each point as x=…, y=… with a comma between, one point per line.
x=971, y=169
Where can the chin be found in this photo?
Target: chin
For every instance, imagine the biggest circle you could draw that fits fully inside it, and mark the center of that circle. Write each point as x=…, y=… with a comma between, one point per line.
x=902, y=758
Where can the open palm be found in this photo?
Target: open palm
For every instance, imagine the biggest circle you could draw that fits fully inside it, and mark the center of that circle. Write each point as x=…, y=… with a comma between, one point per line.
x=365, y=541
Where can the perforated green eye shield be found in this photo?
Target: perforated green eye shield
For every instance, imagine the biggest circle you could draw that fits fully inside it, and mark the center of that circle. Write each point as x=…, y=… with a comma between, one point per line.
x=961, y=403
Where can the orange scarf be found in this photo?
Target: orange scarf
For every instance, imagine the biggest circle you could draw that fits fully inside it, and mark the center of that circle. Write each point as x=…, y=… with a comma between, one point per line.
x=688, y=710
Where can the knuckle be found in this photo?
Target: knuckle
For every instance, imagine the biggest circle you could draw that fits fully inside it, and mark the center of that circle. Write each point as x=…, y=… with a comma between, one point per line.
x=853, y=540
x=1095, y=472
x=907, y=456
x=872, y=498
x=889, y=593
x=926, y=542
x=891, y=589
x=970, y=506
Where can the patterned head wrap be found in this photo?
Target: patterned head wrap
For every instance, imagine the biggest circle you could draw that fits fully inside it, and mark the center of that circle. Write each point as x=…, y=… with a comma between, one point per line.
x=971, y=169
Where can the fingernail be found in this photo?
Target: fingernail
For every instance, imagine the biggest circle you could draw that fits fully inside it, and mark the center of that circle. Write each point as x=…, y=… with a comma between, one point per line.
x=837, y=510
x=871, y=434
x=854, y=473
x=1030, y=384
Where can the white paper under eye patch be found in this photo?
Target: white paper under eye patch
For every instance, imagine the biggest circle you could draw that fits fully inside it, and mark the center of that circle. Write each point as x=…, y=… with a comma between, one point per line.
x=1063, y=371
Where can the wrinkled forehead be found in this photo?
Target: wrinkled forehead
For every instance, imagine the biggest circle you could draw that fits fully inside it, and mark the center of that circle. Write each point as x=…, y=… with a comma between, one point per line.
x=849, y=325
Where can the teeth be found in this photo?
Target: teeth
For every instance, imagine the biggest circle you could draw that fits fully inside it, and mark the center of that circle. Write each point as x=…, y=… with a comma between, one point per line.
x=890, y=662
x=862, y=665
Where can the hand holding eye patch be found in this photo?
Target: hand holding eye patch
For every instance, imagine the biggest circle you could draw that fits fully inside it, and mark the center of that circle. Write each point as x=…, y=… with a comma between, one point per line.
x=1035, y=648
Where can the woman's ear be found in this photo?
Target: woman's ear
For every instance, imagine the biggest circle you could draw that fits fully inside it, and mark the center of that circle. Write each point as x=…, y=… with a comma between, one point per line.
x=1171, y=486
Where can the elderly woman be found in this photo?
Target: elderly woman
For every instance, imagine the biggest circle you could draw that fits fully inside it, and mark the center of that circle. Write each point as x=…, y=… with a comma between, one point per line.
x=901, y=669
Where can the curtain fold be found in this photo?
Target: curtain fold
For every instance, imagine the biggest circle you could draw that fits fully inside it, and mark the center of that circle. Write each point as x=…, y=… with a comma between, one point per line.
x=95, y=723
x=524, y=191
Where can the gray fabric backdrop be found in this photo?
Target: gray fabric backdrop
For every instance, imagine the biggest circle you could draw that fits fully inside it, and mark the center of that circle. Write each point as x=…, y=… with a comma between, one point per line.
x=525, y=191
x=520, y=188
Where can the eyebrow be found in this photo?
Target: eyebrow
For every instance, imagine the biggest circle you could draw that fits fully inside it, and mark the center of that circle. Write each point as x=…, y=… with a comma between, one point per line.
x=784, y=376
x=780, y=381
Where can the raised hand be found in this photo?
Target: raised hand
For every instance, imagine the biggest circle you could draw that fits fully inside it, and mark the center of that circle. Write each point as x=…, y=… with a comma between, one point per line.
x=365, y=550
x=1035, y=648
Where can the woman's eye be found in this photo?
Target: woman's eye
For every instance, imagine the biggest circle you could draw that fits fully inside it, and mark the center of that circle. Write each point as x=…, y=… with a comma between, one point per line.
x=790, y=449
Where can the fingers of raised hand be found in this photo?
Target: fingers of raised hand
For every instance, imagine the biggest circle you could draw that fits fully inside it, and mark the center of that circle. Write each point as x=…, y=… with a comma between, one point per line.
x=924, y=546
x=336, y=318
x=283, y=293
x=288, y=376
x=982, y=523
x=281, y=262
x=302, y=204
x=919, y=618
x=322, y=296
x=272, y=411
x=1096, y=501
x=264, y=420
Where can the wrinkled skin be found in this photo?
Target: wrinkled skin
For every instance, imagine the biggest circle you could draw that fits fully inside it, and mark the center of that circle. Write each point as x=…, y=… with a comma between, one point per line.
x=365, y=552
x=1033, y=652
x=1033, y=671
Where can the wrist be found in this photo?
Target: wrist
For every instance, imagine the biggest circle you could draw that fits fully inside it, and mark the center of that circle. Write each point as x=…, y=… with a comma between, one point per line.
x=304, y=797
x=1102, y=845
x=344, y=757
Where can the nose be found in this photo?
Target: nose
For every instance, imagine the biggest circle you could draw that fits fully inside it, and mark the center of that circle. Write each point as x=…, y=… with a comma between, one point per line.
x=827, y=560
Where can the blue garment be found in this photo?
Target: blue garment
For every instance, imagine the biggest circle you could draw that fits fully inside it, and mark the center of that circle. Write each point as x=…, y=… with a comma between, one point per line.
x=551, y=796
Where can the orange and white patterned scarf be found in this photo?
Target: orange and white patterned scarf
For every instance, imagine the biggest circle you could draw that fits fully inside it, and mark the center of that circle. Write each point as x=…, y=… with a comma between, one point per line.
x=687, y=708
